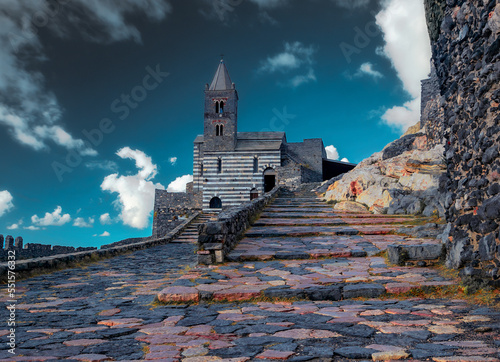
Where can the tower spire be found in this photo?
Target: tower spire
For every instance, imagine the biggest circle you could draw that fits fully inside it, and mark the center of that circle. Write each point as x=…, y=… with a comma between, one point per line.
x=222, y=80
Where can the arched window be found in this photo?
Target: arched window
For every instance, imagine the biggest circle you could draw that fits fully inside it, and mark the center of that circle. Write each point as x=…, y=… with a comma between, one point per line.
x=201, y=170
x=221, y=130
x=219, y=165
x=216, y=203
x=255, y=165
x=217, y=107
x=221, y=107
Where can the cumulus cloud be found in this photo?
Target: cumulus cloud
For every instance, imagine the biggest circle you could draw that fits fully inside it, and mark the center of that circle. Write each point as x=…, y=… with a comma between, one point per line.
x=409, y=54
x=28, y=110
x=344, y=160
x=5, y=202
x=31, y=227
x=295, y=58
x=15, y=226
x=172, y=160
x=179, y=184
x=135, y=192
x=367, y=69
x=105, y=219
x=56, y=218
x=104, y=234
x=332, y=153
x=82, y=223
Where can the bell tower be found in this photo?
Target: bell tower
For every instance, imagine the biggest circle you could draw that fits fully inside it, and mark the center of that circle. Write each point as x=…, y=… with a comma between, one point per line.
x=221, y=112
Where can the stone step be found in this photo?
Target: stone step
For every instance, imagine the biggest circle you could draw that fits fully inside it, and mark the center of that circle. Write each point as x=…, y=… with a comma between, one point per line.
x=313, y=247
x=327, y=221
x=329, y=279
x=304, y=210
x=268, y=231
x=299, y=222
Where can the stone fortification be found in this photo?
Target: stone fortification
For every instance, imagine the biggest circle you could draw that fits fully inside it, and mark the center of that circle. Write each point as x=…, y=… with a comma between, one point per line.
x=466, y=51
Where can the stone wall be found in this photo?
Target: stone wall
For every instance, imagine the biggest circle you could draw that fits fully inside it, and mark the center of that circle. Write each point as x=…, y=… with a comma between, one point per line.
x=432, y=113
x=33, y=250
x=25, y=267
x=217, y=238
x=171, y=209
x=466, y=51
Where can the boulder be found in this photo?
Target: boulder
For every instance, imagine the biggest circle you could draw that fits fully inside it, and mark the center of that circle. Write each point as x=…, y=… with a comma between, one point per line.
x=402, y=179
x=350, y=206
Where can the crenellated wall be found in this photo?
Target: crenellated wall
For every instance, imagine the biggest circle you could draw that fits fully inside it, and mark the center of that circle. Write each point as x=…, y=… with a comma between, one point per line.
x=466, y=52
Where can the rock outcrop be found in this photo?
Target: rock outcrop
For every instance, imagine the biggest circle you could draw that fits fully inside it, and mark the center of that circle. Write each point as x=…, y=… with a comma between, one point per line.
x=401, y=179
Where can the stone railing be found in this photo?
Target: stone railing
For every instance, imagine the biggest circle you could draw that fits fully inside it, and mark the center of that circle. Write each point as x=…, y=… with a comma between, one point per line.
x=64, y=260
x=217, y=238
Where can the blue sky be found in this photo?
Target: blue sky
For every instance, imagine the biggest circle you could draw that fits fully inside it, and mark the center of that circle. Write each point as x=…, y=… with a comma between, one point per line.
x=100, y=101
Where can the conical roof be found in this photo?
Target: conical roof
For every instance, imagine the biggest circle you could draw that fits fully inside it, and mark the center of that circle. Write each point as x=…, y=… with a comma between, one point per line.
x=221, y=80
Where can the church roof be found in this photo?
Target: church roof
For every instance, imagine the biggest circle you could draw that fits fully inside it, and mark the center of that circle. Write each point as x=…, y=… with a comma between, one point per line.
x=221, y=80
x=260, y=141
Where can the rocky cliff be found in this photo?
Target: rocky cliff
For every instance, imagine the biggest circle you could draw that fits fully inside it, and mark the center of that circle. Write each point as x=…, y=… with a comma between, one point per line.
x=401, y=179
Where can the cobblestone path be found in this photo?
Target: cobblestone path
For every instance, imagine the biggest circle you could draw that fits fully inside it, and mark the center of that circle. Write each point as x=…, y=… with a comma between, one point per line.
x=313, y=260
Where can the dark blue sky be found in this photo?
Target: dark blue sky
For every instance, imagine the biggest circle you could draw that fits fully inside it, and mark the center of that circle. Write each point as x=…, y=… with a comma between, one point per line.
x=88, y=69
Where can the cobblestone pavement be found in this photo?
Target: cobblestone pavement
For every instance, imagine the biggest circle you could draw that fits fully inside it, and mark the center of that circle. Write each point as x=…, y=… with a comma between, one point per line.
x=104, y=311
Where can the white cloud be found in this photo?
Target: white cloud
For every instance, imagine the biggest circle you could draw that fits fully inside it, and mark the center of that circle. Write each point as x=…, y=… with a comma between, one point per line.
x=302, y=79
x=104, y=234
x=344, y=160
x=332, y=153
x=28, y=110
x=136, y=192
x=407, y=45
x=15, y=226
x=31, y=227
x=173, y=160
x=105, y=219
x=296, y=57
x=55, y=218
x=402, y=117
x=102, y=165
x=5, y=202
x=179, y=184
x=367, y=69
x=82, y=223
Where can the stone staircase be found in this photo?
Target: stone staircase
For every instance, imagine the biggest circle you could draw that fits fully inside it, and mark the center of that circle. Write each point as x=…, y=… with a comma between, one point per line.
x=190, y=233
x=301, y=248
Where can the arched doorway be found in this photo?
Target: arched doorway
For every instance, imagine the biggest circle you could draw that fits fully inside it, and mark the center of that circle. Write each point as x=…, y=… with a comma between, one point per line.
x=254, y=193
x=269, y=179
x=215, y=203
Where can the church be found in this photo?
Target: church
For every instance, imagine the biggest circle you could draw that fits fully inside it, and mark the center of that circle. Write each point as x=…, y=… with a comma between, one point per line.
x=231, y=167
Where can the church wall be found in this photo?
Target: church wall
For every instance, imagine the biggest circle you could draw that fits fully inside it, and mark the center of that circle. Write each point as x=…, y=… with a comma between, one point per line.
x=309, y=154
x=197, y=172
x=234, y=183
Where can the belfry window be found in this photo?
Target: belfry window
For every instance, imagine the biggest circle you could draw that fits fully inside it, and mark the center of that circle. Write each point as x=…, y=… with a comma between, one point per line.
x=217, y=107
x=255, y=165
x=221, y=107
x=219, y=130
x=219, y=165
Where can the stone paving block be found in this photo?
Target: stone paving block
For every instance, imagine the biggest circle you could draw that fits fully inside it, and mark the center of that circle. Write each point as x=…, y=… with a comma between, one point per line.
x=363, y=290
x=179, y=294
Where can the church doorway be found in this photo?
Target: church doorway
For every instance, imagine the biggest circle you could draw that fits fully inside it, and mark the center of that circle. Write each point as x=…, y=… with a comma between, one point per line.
x=254, y=193
x=269, y=179
x=216, y=203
